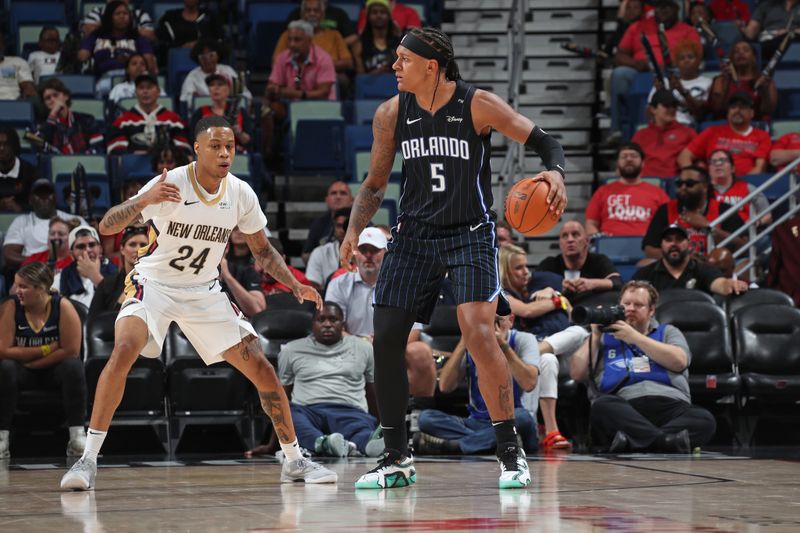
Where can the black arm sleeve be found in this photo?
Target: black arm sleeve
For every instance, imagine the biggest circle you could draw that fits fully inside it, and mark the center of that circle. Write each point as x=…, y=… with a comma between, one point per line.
x=548, y=149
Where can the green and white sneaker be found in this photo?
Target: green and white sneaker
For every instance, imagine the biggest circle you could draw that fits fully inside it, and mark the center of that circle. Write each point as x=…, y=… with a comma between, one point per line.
x=514, y=471
x=393, y=471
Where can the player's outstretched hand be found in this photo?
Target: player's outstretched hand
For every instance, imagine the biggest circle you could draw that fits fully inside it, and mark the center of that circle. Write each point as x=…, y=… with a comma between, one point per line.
x=305, y=292
x=347, y=251
x=162, y=191
x=557, y=197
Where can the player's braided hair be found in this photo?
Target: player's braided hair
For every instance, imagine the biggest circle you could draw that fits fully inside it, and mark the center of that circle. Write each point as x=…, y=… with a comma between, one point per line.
x=441, y=43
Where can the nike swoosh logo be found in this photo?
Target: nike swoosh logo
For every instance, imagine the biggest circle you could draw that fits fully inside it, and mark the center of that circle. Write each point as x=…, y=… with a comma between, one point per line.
x=23, y=328
x=49, y=328
x=187, y=202
x=94, y=432
x=476, y=226
x=409, y=122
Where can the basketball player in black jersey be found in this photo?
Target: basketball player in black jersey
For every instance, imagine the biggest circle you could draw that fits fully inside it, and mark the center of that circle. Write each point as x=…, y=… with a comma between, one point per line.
x=442, y=127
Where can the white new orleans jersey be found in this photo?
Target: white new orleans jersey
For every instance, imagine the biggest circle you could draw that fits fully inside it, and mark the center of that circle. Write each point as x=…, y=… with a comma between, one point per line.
x=187, y=239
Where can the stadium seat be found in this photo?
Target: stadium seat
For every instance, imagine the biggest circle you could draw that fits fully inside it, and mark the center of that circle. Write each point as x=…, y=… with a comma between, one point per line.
x=625, y=250
x=143, y=401
x=61, y=169
x=312, y=109
x=683, y=295
x=782, y=127
x=286, y=301
x=32, y=12
x=179, y=64
x=727, y=31
x=93, y=107
x=318, y=146
x=263, y=37
x=757, y=297
x=626, y=272
x=774, y=191
x=79, y=84
x=5, y=221
x=127, y=103
x=276, y=327
x=361, y=166
x=132, y=166
x=357, y=138
x=17, y=113
x=788, y=83
x=65, y=164
x=365, y=110
x=443, y=328
x=375, y=86
x=28, y=38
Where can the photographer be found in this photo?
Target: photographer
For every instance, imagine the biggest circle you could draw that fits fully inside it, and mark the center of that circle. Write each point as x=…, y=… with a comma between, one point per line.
x=639, y=378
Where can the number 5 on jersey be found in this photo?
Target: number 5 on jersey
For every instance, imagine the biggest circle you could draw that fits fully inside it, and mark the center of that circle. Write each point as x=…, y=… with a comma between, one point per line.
x=437, y=177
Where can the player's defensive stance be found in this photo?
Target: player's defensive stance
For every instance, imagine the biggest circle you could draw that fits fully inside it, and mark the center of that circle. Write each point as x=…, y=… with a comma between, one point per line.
x=442, y=126
x=192, y=211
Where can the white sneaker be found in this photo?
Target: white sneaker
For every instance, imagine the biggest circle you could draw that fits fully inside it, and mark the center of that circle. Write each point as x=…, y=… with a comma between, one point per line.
x=77, y=442
x=333, y=445
x=306, y=470
x=514, y=471
x=5, y=439
x=81, y=476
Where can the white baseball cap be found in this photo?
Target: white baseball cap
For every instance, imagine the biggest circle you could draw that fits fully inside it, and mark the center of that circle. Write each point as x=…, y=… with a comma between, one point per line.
x=373, y=237
x=74, y=234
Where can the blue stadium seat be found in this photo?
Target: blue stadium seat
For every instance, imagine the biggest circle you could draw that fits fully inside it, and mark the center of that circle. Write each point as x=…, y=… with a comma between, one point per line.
x=131, y=166
x=98, y=187
x=364, y=110
x=32, y=12
x=774, y=191
x=358, y=138
x=263, y=37
x=788, y=83
x=623, y=250
x=79, y=84
x=791, y=59
x=17, y=113
x=179, y=64
x=637, y=101
x=727, y=31
x=318, y=146
x=257, y=13
x=375, y=86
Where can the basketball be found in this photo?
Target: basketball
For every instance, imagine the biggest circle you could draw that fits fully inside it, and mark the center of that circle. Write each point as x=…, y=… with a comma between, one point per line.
x=527, y=210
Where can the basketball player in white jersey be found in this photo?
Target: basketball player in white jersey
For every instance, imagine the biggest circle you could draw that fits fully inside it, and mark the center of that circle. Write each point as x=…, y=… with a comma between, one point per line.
x=192, y=211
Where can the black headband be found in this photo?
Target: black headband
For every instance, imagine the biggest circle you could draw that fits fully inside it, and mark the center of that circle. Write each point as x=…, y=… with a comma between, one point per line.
x=420, y=47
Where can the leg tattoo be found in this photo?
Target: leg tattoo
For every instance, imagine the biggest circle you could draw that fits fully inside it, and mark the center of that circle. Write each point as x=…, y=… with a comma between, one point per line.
x=271, y=403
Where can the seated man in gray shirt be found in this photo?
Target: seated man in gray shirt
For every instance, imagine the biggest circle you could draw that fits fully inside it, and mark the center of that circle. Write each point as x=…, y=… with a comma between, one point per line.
x=329, y=379
x=638, y=380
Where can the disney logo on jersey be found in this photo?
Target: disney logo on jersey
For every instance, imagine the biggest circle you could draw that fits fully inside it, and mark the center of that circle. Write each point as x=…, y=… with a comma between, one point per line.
x=451, y=118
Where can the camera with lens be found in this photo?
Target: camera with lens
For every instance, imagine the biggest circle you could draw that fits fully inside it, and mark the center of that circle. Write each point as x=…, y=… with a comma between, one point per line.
x=604, y=315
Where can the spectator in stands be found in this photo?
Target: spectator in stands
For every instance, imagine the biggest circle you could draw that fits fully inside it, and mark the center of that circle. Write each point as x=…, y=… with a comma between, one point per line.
x=40, y=342
x=694, y=209
x=208, y=54
x=44, y=60
x=140, y=20
x=168, y=157
x=330, y=380
x=730, y=190
x=147, y=124
x=328, y=39
x=353, y=292
x=628, y=12
x=504, y=233
x=784, y=260
x=584, y=273
x=88, y=268
x=689, y=87
x=16, y=175
x=16, y=80
x=405, y=17
x=183, y=27
x=645, y=403
x=334, y=18
x=242, y=283
x=663, y=138
x=784, y=150
x=631, y=57
x=698, y=11
x=380, y=38
x=450, y=434
x=69, y=131
x=134, y=67
x=57, y=256
x=748, y=145
x=111, y=44
x=535, y=300
x=110, y=292
x=770, y=22
x=321, y=230
x=324, y=259
x=734, y=10
x=677, y=269
x=28, y=233
x=742, y=74
x=219, y=88
x=625, y=206
x=270, y=285
x=287, y=82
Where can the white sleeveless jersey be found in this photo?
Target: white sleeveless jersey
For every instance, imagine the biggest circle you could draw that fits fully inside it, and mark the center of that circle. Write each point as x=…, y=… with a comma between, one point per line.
x=187, y=239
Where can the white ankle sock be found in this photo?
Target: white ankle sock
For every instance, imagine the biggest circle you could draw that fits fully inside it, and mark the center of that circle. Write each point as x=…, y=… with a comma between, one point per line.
x=94, y=440
x=291, y=451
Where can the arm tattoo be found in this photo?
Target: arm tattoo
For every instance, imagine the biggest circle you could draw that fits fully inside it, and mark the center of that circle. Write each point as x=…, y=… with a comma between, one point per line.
x=272, y=262
x=120, y=216
x=365, y=206
x=272, y=405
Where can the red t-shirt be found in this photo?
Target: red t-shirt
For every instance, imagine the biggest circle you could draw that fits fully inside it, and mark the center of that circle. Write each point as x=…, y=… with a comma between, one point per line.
x=730, y=10
x=625, y=210
x=631, y=40
x=790, y=141
x=405, y=17
x=745, y=149
x=735, y=194
x=662, y=146
x=42, y=257
x=276, y=286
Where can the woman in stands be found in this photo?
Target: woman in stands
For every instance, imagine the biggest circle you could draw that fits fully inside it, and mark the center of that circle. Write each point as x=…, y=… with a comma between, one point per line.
x=690, y=88
x=112, y=43
x=219, y=88
x=729, y=189
x=380, y=38
x=207, y=54
x=135, y=66
x=109, y=294
x=743, y=73
x=40, y=339
x=68, y=131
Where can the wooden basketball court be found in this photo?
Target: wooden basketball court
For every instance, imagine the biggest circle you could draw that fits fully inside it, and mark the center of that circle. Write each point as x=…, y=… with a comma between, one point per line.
x=707, y=492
